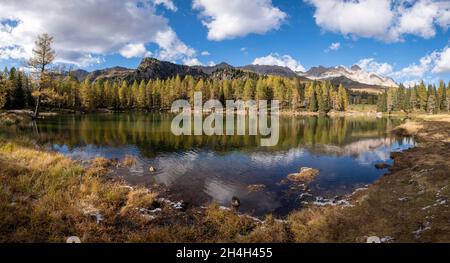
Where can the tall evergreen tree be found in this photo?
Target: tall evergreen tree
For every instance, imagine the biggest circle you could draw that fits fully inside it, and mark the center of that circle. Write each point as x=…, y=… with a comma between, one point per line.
x=142, y=95
x=342, y=99
x=441, y=96
x=422, y=96
x=249, y=90
x=43, y=56
x=313, y=107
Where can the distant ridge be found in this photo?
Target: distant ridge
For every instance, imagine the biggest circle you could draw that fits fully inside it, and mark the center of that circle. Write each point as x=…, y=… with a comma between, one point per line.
x=355, y=74
x=150, y=68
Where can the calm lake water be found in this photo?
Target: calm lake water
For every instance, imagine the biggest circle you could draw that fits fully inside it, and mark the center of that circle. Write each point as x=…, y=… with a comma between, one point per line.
x=200, y=169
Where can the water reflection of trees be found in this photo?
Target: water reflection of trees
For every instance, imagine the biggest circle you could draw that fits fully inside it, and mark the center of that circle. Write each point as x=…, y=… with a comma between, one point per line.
x=151, y=133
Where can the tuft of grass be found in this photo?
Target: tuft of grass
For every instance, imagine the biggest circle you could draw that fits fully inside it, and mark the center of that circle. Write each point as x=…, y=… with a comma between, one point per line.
x=224, y=225
x=129, y=161
x=138, y=198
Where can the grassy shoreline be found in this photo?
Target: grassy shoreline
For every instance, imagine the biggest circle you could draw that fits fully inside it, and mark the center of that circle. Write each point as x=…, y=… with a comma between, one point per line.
x=47, y=197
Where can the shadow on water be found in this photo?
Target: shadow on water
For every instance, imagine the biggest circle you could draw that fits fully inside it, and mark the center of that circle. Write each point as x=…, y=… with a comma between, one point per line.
x=216, y=168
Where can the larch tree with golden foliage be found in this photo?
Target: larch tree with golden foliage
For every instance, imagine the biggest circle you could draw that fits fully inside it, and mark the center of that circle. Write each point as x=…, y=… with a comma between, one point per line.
x=43, y=57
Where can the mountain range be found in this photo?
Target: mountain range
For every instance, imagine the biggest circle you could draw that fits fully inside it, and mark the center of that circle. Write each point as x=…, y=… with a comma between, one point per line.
x=354, y=78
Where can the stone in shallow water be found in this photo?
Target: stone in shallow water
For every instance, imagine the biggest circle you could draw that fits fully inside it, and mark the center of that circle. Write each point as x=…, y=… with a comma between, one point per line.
x=382, y=166
x=235, y=202
x=256, y=188
x=306, y=174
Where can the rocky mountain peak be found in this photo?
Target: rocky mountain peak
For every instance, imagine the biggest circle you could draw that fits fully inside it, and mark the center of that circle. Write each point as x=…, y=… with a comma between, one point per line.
x=356, y=68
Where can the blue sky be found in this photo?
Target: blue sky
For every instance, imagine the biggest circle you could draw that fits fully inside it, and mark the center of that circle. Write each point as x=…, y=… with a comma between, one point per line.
x=405, y=39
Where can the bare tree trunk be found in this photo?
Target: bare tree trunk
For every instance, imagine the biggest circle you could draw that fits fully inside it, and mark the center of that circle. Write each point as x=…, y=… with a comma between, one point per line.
x=38, y=100
x=36, y=110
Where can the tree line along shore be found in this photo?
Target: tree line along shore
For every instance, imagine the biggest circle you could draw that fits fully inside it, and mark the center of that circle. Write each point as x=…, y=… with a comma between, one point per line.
x=64, y=91
x=58, y=89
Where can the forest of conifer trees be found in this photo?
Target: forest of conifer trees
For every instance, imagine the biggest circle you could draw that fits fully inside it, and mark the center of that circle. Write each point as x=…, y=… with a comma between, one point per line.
x=418, y=98
x=64, y=91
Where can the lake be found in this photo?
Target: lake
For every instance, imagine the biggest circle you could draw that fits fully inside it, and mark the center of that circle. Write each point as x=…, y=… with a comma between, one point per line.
x=201, y=169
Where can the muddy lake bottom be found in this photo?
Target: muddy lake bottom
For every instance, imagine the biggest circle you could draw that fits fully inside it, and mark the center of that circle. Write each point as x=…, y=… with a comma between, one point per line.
x=203, y=169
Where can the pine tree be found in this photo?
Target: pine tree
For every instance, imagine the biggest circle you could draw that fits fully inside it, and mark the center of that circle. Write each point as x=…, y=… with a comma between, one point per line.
x=3, y=91
x=408, y=106
x=279, y=91
x=238, y=88
x=342, y=99
x=108, y=94
x=156, y=94
x=413, y=99
x=295, y=95
x=431, y=103
x=87, y=98
x=18, y=93
x=391, y=99
x=313, y=107
x=123, y=95
x=43, y=56
x=227, y=90
x=249, y=90
x=99, y=95
x=401, y=98
x=199, y=87
x=382, y=102
x=142, y=95
x=309, y=92
x=149, y=90
x=115, y=96
x=422, y=96
x=441, y=96
x=132, y=94
x=323, y=97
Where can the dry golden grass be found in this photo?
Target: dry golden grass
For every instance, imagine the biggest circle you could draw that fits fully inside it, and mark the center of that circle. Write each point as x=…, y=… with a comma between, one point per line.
x=410, y=204
x=46, y=197
x=409, y=128
x=129, y=161
x=138, y=198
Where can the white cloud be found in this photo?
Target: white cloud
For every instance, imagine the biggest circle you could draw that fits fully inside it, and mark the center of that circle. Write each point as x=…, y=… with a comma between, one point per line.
x=365, y=18
x=411, y=83
x=244, y=51
x=173, y=49
x=205, y=53
x=86, y=30
x=134, y=50
x=416, y=20
x=387, y=20
x=418, y=70
x=276, y=60
x=82, y=60
x=442, y=61
x=333, y=47
x=12, y=52
x=436, y=62
x=228, y=19
x=167, y=4
x=370, y=65
x=192, y=62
